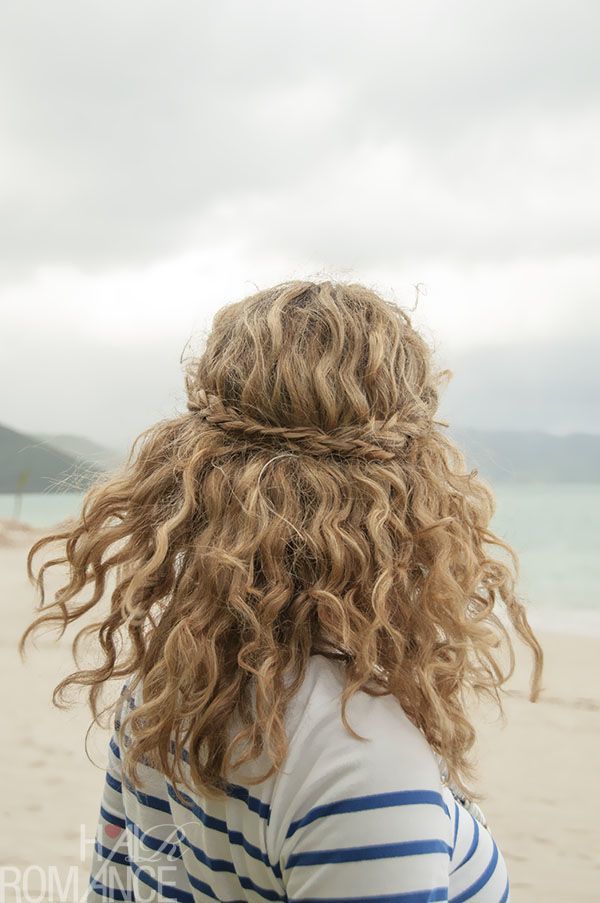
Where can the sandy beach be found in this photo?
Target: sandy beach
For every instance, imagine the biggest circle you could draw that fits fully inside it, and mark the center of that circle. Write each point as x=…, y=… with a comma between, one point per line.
x=539, y=772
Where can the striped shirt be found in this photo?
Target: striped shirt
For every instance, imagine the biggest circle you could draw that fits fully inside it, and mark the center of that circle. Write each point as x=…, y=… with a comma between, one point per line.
x=344, y=820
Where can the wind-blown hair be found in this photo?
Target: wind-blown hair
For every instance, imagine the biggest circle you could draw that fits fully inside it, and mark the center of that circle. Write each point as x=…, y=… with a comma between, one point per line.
x=306, y=501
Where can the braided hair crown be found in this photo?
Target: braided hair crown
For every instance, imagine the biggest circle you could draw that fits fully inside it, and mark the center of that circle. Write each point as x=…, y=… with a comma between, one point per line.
x=377, y=440
x=317, y=368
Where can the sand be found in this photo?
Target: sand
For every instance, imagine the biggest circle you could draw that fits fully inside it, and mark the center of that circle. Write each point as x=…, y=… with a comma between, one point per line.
x=539, y=772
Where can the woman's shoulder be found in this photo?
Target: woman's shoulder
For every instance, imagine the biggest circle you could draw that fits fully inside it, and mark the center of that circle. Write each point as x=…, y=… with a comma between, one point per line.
x=393, y=745
x=334, y=784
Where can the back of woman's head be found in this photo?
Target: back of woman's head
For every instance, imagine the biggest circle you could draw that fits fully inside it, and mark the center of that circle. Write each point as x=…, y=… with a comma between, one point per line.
x=307, y=501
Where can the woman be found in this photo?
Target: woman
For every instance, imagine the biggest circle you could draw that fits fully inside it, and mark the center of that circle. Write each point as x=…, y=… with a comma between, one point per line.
x=305, y=605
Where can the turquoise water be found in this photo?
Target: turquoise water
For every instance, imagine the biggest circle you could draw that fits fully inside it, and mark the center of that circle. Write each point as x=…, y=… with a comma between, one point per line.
x=555, y=529
x=42, y=509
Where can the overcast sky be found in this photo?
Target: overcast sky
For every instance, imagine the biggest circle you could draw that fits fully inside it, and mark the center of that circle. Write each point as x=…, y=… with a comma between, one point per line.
x=161, y=159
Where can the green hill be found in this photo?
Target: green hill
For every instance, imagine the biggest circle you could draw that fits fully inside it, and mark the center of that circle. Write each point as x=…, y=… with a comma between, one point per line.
x=80, y=447
x=31, y=465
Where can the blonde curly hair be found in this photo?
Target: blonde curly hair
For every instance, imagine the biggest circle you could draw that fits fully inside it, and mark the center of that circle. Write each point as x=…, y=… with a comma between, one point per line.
x=306, y=502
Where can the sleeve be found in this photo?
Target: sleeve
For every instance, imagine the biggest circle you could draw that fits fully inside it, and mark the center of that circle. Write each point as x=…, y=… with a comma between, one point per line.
x=370, y=846
x=111, y=876
x=478, y=870
x=370, y=825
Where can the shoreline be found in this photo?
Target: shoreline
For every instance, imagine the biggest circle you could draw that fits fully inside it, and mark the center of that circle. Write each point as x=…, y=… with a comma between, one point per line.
x=576, y=622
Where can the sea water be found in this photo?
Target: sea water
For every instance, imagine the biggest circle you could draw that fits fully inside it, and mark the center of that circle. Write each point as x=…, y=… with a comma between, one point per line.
x=554, y=528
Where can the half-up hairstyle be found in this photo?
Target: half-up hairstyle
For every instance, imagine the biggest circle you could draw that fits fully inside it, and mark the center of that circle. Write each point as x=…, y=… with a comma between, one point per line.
x=307, y=501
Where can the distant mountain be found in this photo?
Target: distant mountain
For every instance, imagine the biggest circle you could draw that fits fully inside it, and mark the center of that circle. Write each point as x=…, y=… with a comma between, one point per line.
x=55, y=463
x=28, y=464
x=80, y=447
x=525, y=457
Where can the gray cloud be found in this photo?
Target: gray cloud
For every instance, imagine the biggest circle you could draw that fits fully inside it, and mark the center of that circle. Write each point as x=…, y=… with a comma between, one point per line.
x=553, y=387
x=105, y=393
x=135, y=131
x=455, y=144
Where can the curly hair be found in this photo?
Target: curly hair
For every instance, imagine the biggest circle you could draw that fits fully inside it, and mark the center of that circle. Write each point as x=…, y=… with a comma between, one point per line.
x=306, y=502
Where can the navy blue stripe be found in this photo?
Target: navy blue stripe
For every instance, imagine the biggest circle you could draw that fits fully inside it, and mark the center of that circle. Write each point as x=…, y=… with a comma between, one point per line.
x=371, y=801
x=237, y=792
x=146, y=799
x=115, y=748
x=112, y=782
x=113, y=893
x=483, y=879
x=112, y=819
x=209, y=820
x=166, y=890
x=111, y=855
x=435, y=895
x=154, y=843
x=215, y=865
x=207, y=889
x=254, y=804
x=248, y=884
x=456, y=818
x=218, y=824
x=373, y=851
x=504, y=896
x=473, y=846
x=236, y=837
x=224, y=865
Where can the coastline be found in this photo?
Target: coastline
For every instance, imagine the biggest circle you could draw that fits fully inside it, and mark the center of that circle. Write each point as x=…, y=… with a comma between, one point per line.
x=576, y=622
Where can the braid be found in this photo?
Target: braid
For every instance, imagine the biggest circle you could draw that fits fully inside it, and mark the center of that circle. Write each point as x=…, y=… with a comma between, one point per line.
x=377, y=440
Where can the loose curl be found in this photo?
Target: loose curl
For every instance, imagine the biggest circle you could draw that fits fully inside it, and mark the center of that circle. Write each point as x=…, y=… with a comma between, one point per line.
x=306, y=502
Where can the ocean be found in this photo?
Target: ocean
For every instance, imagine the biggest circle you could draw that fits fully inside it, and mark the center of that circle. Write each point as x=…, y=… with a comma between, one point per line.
x=554, y=527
